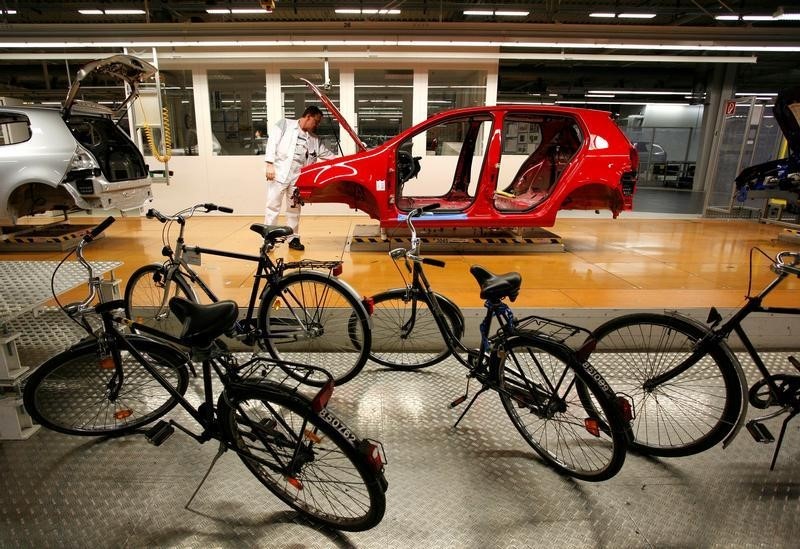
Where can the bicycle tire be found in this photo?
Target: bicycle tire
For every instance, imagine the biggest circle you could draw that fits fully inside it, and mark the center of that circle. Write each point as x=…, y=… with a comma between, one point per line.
x=538, y=385
x=312, y=318
x=330, y=481
x=688, y=414
x=69, y=392
x=144, y=294
x=425, y=345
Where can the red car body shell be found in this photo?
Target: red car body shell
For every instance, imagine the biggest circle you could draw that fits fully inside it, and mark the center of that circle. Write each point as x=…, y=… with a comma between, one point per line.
x=601, y=174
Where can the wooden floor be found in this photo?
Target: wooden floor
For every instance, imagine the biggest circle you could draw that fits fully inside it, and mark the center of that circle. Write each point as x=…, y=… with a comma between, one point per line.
x=623, y=263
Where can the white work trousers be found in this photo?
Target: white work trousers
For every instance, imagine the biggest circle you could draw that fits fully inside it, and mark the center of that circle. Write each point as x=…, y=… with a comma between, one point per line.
x=276, y=192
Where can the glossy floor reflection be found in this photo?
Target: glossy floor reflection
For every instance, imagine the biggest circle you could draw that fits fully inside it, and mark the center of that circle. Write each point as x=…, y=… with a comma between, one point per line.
x=630, y=262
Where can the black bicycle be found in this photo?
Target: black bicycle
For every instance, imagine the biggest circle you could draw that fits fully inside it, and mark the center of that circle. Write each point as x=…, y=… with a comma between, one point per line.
x=298, y=311
x=687, y=386
x=114, y=382
x=558, y=402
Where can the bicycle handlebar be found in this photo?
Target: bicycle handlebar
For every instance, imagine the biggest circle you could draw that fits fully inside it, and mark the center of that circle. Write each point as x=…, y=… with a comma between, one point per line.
x=95, y=232
x=208, y=207
x=789, y=268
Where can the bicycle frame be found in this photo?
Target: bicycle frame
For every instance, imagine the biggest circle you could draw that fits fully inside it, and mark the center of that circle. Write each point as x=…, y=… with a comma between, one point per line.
x=716, y=335
x=268, y=270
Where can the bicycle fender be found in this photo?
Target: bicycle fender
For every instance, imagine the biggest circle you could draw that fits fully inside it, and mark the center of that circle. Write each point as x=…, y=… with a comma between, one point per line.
x=447, y=303
x=737, y=366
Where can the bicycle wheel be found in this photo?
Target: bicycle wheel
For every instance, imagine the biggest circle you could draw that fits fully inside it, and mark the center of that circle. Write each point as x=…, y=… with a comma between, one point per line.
x=312, y=318
x=685, y=415
x=70, y=393
x=144, y=296
x=538, y=387
x=405, y=335
x=313, y=467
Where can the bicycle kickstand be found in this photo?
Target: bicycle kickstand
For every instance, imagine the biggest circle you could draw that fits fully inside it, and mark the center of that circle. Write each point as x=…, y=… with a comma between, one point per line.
x=471, y=402
x=780, y=439
x=221, y=451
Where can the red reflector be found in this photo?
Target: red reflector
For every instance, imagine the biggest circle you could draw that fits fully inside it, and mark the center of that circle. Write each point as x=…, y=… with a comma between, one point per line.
x=592, y=426
x=107, y=363
x=369, y=305
x=123, y=414
x=374, y=457
x=625, y=408
x=322, y=398
x=295, y=482
x=337, y=271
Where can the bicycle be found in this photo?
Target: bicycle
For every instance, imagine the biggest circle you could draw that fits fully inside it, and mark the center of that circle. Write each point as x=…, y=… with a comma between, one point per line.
x=542, y=382
x=114, y=382
x=303, y=315
x=687, y=386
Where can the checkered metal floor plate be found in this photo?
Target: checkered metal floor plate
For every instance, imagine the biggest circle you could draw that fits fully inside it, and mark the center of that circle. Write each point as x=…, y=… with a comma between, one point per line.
x=480, y=486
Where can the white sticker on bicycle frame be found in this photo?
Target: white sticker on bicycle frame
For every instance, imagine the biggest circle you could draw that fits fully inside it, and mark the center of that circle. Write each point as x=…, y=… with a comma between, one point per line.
x=192, y=257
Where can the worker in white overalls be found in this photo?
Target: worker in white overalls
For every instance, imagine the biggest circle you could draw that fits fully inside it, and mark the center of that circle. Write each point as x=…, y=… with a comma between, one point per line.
x=291, y=144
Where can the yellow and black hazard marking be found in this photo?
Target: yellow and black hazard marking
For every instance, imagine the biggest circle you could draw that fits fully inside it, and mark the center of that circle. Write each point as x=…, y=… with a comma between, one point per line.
x=368, y=238
x=57, y=236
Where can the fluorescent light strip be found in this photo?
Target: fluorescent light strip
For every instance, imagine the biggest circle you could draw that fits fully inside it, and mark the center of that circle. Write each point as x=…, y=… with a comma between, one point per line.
x=609, y=15
x=638, y=92
x=748, y=94
x=498, y=13
x=355, y=11
x=237, y=11
x=691, y=46
x=8, y=12
x=111, y=12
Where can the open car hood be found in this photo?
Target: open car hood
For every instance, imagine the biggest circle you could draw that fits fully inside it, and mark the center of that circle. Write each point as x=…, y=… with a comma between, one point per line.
x=360, y=146
x=787, y=113
x=129, y=69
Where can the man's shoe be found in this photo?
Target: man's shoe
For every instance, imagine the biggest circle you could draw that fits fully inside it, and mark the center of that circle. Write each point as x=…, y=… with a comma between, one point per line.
x=295, y=244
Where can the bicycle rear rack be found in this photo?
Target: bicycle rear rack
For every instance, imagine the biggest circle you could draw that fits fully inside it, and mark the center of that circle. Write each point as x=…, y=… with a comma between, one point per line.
x=568, y=334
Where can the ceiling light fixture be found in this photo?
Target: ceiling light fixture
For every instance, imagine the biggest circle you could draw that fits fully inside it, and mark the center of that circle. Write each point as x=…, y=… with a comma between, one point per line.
x=111, y=12
x=238, y=11
x=356, y=11
x=8, y=12
x=609, y=15
x=498, y=13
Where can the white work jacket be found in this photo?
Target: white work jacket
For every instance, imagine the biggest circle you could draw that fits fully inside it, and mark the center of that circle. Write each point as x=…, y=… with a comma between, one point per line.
x=280, y=151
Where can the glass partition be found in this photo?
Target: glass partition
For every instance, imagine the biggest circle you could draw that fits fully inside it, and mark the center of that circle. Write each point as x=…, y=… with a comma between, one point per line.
x=238, y=100
x=451, y=89
x=383, y=103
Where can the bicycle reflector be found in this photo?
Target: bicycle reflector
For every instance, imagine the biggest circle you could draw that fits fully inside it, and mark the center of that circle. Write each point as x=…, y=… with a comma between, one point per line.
x=592, y=426
x=123, y=414
x=107, y=363
x=322, y=398
x=369, y=305
x=337, y=271
x=625, y=408
x=294, y=481
x=373, y=451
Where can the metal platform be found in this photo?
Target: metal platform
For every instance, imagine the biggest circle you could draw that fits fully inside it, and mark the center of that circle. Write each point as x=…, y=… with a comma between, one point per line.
x=370, y=238
x=53, y=237
x=478, y=486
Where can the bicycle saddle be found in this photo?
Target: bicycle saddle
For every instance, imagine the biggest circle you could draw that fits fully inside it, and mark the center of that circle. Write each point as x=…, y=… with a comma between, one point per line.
x=202, y=324
x=270, y=232
x=496, y=287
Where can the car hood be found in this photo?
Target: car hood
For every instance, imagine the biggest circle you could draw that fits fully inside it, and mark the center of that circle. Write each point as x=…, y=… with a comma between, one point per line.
x=360, y=146
x=787, y=113
x=129, y=69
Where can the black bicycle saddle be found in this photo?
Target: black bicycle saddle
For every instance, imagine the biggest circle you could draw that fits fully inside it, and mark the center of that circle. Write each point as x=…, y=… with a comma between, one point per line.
x=202, y=324
x=270, y=232
x=496, y=287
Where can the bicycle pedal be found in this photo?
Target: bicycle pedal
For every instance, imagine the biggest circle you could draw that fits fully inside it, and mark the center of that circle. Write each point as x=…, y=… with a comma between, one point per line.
x=158, y=433
x=794, y=362
x=759, y=432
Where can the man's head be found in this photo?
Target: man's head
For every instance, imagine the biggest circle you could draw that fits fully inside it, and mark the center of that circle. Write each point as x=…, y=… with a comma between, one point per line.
x=310, y=119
